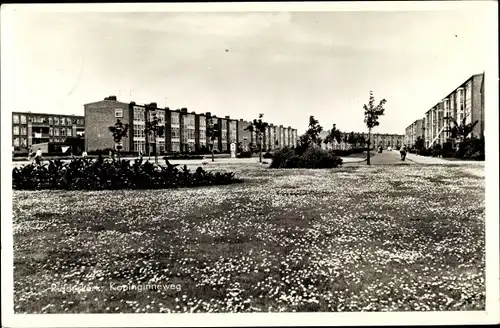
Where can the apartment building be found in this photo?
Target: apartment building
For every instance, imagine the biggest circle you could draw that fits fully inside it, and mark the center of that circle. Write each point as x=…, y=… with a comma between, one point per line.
x=465, y=101
x=188, y=130
x=201, y=132
x=183, y=131
x=413, y=131
x=30, y=128
x=383, y=140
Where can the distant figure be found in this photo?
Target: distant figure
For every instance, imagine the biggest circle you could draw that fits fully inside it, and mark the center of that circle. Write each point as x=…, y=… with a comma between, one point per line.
x=403, y=153
x=38, y=156
x=84, y=154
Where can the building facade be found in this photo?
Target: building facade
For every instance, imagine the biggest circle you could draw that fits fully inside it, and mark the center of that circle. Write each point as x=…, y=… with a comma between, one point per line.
x=183, y=131
x=465, y=102
x=35, y=128
x=384, y=140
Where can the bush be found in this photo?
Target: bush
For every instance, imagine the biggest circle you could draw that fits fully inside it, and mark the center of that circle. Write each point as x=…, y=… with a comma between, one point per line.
x=267, y=155
x=471, y=149
x=244, y=154
x=87, y=174
x=424, y=152
x=436, y=152
x=342, y=152
x=312, y=157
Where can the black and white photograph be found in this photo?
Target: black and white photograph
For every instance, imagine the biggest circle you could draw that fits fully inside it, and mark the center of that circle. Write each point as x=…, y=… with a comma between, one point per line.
x=214, y=164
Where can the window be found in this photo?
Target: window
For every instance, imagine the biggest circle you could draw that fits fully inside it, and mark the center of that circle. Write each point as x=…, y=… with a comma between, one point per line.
x=69, y=132
x=56, y=132
x=63, y=132
x=63, y=121
x=175, y=118
x=51, y=121
x=139, y=114
x=15, y=119
x=24, y=131
x=51, y=131
x=140, y=146
x=175, y=133
x=56, y=120
x=24, y=142
x=16, y=142
x=203, y=121
x=23, y=119
x=15, y=130
x=118, y=112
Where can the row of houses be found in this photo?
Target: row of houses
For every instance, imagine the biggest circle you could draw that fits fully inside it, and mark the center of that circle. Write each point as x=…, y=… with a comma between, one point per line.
x=464, y=102
x=384, y=140
x=184, y=131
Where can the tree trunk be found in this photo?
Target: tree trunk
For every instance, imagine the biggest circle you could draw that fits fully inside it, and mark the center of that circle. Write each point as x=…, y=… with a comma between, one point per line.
x=155, y=152
x=260, y=149
x=368, y=151
x=213, y=159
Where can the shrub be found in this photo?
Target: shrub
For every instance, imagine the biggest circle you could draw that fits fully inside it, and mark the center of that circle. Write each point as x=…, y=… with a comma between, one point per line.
x=87, y=174
x=244, y=154
x=312, y=157
x=424, y=152
x=436, y=152
x=342, y=152
x=267, y=155
x=471, y=149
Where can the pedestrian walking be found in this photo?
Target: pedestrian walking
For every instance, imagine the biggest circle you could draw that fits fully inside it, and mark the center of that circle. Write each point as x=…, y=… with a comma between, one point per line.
x=38, y=156
x=403, y=153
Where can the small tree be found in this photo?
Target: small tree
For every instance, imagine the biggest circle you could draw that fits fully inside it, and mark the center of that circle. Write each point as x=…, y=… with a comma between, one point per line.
x=463, y=130
x=419, y=143
x=314, y=131
x=352, y=140
x=212, y=133
x=152, y=128
x=259, y=127
x=119, y=131
x=372, y=114
x=362, y=141
x=333, y=135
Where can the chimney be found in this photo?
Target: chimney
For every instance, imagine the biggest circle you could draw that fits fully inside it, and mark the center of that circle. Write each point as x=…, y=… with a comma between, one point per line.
x=113, y=98
x=227, y=117
x=241, y=120
x=208, y=114
x=194, y=113
x=153, y=104
x=184, y=110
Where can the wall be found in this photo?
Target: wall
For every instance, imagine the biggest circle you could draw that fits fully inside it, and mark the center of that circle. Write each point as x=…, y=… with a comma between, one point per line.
x=99, y=117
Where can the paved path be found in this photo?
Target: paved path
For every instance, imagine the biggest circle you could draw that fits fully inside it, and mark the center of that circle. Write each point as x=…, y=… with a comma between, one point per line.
x=384, y=158
x=435, y=160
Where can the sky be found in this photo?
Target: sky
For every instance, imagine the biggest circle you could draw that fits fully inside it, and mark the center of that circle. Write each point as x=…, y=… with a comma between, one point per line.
x=287, y=65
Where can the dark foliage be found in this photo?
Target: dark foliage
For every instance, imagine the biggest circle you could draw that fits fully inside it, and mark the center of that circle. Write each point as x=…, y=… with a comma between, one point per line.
x=88, y=174
x=472, y=148
x=312, y=157
x=244, y=154
x=267, y=155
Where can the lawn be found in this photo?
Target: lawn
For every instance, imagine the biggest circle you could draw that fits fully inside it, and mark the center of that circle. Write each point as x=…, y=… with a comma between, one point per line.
x=379, y=238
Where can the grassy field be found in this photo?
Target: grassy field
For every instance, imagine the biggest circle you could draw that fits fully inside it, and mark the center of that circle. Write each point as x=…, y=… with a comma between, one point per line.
x=379, y=238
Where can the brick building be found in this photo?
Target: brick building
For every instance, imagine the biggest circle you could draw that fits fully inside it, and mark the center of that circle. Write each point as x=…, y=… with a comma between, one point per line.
x=465, y=101
x=35, y=128
x=383, y=140
x=184, y=131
